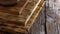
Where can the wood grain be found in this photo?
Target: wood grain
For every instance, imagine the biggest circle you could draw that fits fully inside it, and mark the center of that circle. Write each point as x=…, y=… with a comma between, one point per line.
x=18, y=14
x=22, y=29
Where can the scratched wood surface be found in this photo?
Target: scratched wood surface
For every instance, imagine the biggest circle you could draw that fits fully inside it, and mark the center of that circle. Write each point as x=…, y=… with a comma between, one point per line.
x=53, y=17
x=51, y=23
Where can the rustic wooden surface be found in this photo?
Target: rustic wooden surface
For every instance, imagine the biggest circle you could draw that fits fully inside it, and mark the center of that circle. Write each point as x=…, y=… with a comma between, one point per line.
x=38, y=26
x=20, y=13
x=51, y=23
x=4, y=26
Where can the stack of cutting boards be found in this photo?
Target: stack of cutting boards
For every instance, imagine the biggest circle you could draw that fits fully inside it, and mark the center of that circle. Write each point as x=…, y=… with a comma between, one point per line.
x=18, y=19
